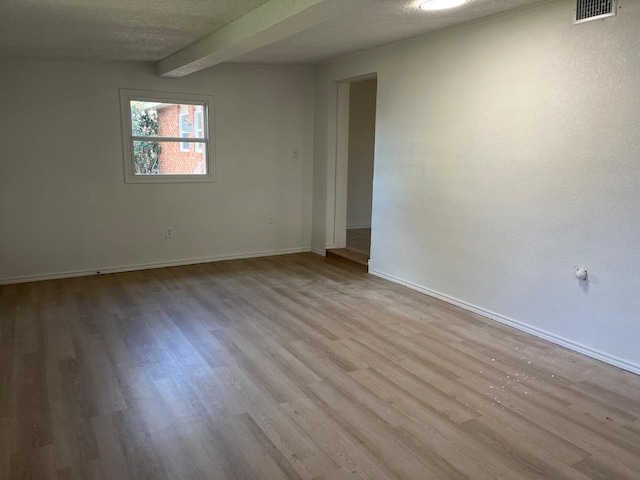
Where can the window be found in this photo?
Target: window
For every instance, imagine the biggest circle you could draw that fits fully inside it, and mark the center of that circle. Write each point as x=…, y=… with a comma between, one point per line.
x=186, y=127
x=199, y=126
x=166, y=137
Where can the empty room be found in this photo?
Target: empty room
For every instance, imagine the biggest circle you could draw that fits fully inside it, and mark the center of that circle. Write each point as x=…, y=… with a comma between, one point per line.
x=320, y=239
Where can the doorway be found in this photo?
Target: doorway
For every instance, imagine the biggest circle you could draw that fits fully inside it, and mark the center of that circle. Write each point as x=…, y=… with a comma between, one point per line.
x=355, y=146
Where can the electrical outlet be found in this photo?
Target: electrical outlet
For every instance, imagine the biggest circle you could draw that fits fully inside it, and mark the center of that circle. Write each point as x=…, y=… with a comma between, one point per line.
x=295, y=153
x=270, y=220
x=168, y=232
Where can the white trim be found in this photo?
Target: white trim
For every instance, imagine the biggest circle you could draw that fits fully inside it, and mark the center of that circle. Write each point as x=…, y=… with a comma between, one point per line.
x=551, y=337
x=151, y=138
x=332, y=130
x=148, y=266
x=319, y=251
x=342, y=164
x=338, y=158
x=355, y=227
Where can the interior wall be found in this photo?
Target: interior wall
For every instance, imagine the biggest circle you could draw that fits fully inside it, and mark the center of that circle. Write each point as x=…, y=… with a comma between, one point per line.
x=507, y=154
x=362, y=125
x=64, y=206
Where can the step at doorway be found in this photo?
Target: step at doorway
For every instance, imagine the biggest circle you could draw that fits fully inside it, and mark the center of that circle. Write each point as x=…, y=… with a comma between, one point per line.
x=349, y=256
x=359, y=240
x=358, y=247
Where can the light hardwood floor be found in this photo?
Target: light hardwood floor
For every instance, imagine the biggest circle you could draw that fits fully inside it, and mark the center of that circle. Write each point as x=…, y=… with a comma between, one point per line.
x=293, y=367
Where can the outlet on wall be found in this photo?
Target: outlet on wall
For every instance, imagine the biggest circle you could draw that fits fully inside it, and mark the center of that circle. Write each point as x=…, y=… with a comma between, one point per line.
x=270, y=219
x=168, y=232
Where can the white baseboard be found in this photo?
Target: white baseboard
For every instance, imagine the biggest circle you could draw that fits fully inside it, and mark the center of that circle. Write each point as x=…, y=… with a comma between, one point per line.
x=355, y=227
x=558, y=340
x=148, y=266
x=319, y=251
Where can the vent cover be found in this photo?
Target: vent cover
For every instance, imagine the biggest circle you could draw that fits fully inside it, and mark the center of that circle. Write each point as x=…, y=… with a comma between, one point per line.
x=587, y=10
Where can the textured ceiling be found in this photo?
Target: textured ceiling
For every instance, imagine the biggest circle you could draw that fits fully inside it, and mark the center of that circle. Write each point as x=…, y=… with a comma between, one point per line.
x=150, y=30
x=110, y=29
x=383, y=22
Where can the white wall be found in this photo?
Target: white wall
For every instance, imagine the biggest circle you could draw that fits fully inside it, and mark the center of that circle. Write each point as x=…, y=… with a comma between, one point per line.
x=362, y=124
x=508, y=152
x=64, y=206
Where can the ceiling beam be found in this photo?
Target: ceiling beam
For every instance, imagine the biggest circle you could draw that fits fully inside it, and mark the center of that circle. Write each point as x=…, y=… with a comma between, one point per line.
x=272, y=21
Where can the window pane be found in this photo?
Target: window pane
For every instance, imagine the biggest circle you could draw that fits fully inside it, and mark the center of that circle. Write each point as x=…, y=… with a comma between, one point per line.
x=169, y=158
x=165, y=119
x=198, y=126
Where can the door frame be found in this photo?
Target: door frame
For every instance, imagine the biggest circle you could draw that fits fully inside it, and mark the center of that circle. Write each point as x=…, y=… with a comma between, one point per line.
x=337, y=174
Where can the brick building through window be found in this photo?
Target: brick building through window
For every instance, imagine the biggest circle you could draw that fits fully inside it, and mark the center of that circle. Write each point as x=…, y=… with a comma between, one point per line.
x=186, y=121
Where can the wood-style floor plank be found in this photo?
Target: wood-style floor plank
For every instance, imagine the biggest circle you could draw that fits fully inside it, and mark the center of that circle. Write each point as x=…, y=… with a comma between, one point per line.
x=293, y=367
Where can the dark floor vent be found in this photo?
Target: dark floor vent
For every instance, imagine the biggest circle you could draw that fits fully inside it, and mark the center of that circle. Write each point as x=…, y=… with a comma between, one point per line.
x=587, y=10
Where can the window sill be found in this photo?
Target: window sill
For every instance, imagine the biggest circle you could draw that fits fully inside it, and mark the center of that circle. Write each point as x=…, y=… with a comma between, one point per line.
x=169, y=179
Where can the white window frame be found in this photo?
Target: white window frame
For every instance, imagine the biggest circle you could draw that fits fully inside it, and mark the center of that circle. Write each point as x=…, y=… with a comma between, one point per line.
x=127, y=95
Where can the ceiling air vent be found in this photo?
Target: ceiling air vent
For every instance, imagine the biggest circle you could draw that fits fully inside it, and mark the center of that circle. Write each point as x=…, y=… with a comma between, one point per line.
x=587, y=10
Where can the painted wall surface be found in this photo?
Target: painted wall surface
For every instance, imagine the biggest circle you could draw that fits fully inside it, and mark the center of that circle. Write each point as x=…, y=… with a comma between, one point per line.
x=362, y=125
x=64, y=206
x=507, y=153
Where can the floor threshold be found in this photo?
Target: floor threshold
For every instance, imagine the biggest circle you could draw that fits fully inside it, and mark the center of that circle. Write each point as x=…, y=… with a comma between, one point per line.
x=347, y=255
